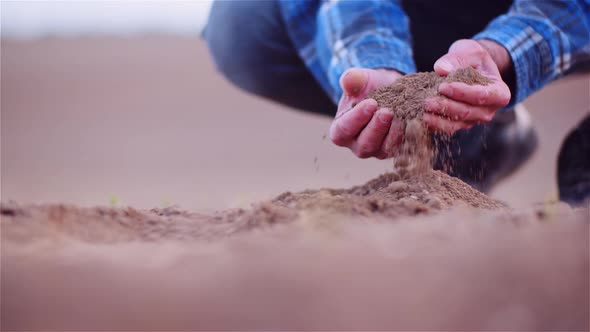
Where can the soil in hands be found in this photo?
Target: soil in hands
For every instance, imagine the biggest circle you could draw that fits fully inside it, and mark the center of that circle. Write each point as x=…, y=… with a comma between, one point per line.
x=406, y=99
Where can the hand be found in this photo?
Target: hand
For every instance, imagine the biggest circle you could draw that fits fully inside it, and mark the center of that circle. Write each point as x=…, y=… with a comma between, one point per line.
x=461, y=105
x=358, y=124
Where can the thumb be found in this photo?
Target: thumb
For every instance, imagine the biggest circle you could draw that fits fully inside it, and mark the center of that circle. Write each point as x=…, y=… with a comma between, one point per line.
x=354, y=81
x=462, y=53
x=446, y=64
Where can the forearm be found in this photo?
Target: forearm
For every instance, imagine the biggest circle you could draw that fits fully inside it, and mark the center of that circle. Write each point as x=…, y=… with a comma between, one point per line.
x=544, y=40
x=502, y=59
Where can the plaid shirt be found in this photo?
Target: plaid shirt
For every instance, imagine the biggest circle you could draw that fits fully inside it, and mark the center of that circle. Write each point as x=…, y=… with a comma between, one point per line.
x=545, y=38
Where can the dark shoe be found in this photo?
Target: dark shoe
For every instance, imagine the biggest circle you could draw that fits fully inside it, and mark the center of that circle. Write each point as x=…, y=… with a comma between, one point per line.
x=573, y=165
x=485, y=154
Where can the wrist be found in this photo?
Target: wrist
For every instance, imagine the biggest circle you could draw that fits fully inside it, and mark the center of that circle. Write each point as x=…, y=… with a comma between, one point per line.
x=499, y=55
x=501, y=58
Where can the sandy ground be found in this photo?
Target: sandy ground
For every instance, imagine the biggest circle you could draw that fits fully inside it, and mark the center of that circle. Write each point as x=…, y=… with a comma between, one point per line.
x=148, y=122
x=112, y=269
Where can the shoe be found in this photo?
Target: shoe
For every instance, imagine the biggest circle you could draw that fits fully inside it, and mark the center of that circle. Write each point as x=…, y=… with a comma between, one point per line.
x=573, y=165
x=486, y=154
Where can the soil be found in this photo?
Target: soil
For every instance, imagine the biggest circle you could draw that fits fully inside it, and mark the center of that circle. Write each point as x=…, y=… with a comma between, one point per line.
x=401, y=252
x=405, y=97
x=72, y=268
x=413, y=249
x=391, y=195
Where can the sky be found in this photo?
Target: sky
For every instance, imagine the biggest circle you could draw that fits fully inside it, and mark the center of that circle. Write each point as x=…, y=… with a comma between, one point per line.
x=34, y=19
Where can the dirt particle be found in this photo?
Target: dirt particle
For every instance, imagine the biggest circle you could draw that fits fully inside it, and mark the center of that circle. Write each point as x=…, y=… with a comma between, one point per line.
x=8, y=212
x=397, y=186
x=434, y=203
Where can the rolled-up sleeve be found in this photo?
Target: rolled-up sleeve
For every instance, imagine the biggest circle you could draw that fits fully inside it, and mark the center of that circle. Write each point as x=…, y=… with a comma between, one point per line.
x=367, y=34
x=545, y=39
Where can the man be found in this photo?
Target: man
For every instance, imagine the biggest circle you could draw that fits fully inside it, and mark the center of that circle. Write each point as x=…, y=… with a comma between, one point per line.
x=314, y=55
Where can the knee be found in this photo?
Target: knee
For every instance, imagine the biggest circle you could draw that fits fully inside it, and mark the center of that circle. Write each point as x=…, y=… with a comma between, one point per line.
x=220, y=32
x=232, y=41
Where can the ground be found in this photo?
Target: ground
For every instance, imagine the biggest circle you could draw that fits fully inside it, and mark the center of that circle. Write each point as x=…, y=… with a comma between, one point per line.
x=147, y=123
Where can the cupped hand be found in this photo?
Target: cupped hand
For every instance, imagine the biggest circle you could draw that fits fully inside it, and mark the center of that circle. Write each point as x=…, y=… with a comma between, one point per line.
x=460, y=105
x=359, y=125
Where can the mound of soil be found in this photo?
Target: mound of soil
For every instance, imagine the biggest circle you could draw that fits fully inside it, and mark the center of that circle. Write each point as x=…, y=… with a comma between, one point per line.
x=391, y=196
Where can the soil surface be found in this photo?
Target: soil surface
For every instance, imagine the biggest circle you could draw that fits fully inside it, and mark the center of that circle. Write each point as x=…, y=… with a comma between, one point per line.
x=412, y=249
x=391, y=195
x=401, y=252
x=368, y=268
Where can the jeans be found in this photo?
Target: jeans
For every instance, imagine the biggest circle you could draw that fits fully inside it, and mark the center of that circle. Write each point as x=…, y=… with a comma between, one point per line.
x=251, y=48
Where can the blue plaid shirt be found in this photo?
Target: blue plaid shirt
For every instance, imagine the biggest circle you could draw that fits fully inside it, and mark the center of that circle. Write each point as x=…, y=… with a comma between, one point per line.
x=545, y=38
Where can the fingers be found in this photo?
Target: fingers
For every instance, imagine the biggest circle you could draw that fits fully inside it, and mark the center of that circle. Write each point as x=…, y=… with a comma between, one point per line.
x=446, y=64
x=440, y=124
x=455, y=110
x=393, y=140
x=462, y=53
x=366, y=131
x=354, y=81
x=348, y=124
x=371, y=138
x=357, y=82
x=496, y=94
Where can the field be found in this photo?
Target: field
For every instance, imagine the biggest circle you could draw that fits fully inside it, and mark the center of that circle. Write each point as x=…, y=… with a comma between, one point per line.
x=142, y=192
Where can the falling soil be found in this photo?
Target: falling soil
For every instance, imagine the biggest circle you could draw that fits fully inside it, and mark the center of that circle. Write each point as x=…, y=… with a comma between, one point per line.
x=406, y=99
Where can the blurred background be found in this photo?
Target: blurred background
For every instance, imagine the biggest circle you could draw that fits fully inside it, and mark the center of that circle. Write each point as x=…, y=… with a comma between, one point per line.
x=118, y=102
